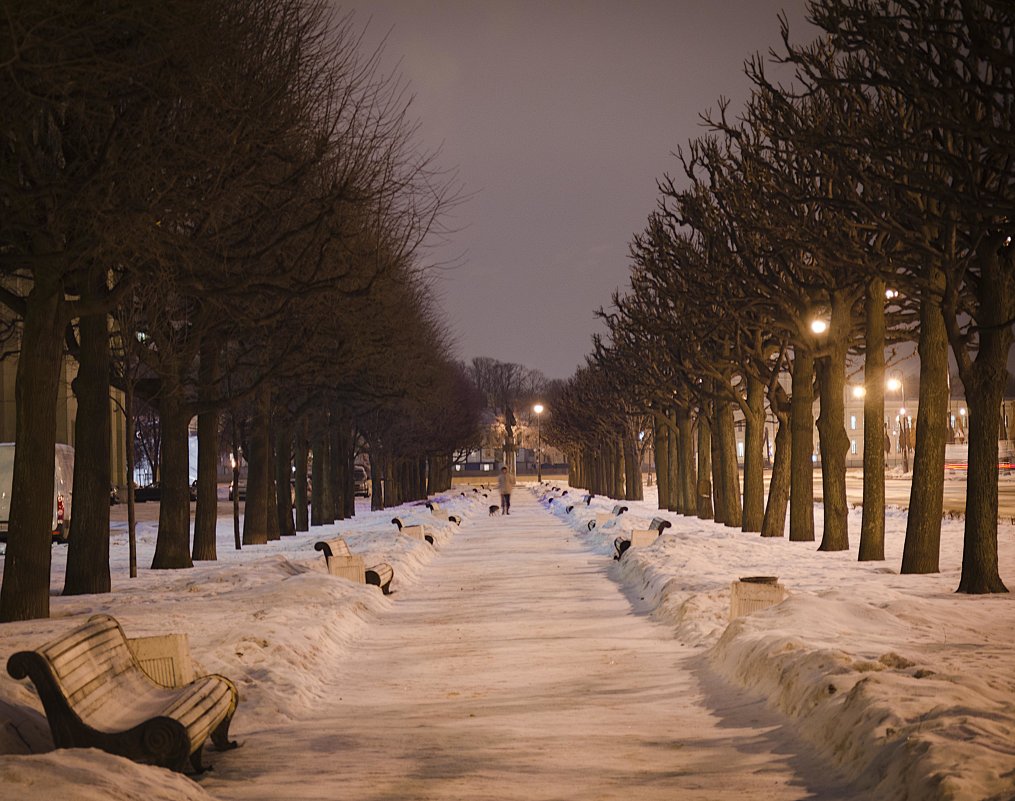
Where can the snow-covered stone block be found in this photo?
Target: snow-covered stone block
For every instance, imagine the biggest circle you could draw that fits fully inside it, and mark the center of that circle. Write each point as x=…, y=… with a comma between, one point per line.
x=754, y=594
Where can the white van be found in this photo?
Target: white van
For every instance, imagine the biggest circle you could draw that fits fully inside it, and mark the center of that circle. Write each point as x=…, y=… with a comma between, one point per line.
x=360, y=481
x=63, y=489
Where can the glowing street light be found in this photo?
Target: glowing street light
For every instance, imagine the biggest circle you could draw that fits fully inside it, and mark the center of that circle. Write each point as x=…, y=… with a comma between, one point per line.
x=859, y=391
x=538, y=409
x=819, y=326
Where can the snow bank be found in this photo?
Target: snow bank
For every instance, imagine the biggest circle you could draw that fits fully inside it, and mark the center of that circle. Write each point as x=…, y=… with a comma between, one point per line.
x=269, y=617
x=907, y=686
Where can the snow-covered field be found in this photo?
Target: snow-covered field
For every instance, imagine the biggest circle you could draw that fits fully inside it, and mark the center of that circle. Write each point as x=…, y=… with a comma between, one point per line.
x=906, y=686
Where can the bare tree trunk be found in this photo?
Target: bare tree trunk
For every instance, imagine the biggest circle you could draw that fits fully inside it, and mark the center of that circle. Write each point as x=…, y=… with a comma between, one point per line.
x=319, y=447
x=872, y=527
x=348, y=446
x=774, y=524
x=336, y=467
x=980, y=572
x=88, y=549
x=754, y=457
x=687, y=471
x=921, y=552
x=259, y=468
x=392, y=488
x=730, y=472
x=206, y=516
x=129, y=433
x=302, y=458
x=801, y=498
x=662, y=452
x=376, y=480
x=632, y=468
x=718, y=485
x=673, y=460
x=984, y=380
x=24, y=594
x=283, y=483
x=832, y=427
x=172, y=548
x=237, y=539
x=704, y=500
x=271, y=498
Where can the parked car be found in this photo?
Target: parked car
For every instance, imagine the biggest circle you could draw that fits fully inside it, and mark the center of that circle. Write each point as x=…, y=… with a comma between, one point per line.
x=149, y=492
x=360, y=481
x=153, y=492
x=63, y=489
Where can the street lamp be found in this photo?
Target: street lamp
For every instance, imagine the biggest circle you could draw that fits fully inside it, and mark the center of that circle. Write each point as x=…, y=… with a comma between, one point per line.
x=819, y=326
x=538, y=409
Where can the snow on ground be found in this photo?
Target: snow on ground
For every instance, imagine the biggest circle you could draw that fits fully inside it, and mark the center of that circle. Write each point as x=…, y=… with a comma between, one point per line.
x=906, y=686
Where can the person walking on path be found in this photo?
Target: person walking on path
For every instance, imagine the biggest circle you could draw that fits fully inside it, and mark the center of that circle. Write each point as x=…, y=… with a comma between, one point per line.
x=505, y=483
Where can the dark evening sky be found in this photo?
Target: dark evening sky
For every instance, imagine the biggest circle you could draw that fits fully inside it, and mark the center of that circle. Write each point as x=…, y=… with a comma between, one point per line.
x=558, y=117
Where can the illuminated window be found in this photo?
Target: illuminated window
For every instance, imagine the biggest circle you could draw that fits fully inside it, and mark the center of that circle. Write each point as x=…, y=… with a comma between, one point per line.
x=852, y=445
x=852, y=422
x=740, y=450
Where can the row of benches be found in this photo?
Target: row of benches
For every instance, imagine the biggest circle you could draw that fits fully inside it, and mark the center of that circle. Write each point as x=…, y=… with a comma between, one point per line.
x=99, y=692
x=621, y=544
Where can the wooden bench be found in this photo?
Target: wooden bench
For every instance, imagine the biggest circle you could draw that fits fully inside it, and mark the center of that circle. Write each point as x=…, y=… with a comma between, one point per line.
x=605, y=517
x=640, y=536
x=456, y=519
x=341, y=562
x=588, y=498
x=417, y=532
x=433, y=507
x=97, y=696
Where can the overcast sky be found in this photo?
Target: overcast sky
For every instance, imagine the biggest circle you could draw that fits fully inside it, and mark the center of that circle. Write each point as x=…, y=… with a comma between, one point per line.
x=558, y=117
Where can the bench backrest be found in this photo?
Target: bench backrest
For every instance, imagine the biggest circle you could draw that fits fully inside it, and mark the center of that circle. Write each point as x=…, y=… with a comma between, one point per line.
x=335, y=547
x=619, y=510
x=659, y=523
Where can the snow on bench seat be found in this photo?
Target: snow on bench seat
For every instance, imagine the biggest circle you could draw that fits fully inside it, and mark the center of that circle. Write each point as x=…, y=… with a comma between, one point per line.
x=417, y=532
x=640, y=536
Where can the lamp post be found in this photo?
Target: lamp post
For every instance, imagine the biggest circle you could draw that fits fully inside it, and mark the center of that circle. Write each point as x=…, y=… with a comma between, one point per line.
x=538, y=409
x=896, y=384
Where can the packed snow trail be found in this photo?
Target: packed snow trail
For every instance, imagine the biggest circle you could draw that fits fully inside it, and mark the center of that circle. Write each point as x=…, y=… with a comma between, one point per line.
x=517, y=670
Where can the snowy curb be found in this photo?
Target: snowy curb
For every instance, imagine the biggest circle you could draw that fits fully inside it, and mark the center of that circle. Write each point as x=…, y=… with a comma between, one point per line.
x=857, y=667
x=269, y=617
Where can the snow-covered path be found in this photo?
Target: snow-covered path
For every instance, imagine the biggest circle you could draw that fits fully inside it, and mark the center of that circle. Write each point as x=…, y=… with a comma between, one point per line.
x=516, y=669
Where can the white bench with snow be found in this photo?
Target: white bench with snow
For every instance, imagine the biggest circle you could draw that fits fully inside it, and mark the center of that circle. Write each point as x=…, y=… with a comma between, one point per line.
x=341, y=562
x=640, y=536
x=606, y=517
x=417, y=532
x=96, y=695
